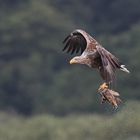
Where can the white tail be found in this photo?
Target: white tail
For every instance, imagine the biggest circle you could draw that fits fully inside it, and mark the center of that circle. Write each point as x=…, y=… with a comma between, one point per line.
x=123, y=68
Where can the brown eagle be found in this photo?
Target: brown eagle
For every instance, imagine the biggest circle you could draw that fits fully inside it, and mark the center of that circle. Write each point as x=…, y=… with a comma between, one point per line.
x=92, y=54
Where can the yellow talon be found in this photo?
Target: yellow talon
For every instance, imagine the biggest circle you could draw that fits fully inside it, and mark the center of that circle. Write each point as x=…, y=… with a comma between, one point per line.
x=103, y=86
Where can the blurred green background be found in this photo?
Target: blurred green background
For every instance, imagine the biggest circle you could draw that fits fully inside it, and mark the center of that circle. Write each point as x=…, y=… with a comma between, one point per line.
x=41, y=95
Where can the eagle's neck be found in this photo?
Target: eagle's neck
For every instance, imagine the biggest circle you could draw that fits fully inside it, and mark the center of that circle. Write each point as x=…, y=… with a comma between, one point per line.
x=85, y=60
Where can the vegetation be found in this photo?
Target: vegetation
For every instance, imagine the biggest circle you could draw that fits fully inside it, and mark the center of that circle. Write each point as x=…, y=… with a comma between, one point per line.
x=125, y=125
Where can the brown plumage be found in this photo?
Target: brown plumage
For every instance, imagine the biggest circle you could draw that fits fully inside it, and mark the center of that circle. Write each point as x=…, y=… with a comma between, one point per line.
x=108, y=95
x=92, y=54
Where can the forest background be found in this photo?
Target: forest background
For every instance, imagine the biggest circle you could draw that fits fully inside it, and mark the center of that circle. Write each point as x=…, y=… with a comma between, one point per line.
x=41, y=95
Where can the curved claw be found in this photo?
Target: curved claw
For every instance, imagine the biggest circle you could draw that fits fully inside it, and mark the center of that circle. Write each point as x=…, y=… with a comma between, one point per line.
x=103, y=86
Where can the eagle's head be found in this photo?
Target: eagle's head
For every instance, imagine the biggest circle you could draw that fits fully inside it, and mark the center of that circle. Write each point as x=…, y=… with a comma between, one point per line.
x=80, y=60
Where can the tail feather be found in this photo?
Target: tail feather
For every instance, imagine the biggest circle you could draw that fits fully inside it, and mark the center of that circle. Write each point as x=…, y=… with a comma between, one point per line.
x=123, y=68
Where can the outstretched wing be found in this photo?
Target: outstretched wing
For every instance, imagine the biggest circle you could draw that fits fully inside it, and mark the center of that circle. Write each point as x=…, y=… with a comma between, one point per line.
x=109, y=64
x=74, y=43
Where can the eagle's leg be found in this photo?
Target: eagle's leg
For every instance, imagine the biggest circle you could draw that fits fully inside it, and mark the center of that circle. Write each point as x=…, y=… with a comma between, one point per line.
x=103, y=86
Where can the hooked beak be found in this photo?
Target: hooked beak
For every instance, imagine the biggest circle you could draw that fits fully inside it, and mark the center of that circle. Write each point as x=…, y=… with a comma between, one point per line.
x=72, y=61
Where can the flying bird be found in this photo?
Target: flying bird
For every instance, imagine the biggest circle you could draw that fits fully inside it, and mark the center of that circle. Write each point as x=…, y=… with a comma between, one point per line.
x=93, y=55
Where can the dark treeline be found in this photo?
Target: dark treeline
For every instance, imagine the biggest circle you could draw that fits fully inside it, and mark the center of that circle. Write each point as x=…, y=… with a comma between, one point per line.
x=35, y=75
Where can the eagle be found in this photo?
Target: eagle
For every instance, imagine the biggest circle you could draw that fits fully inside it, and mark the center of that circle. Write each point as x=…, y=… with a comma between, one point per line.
x=93, y=55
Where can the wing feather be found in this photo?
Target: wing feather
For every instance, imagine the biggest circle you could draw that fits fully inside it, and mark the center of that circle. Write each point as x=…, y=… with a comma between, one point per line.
x=66, y=45
x=109, y=64
x=74, y=43
x=70, y=47
x=66, y=38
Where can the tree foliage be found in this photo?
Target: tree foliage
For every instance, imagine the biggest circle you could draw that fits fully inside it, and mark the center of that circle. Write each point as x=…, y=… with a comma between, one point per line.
x=125, y=125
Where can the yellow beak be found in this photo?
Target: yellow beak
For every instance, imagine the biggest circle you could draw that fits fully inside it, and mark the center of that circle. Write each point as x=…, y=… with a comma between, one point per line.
x=72, y=61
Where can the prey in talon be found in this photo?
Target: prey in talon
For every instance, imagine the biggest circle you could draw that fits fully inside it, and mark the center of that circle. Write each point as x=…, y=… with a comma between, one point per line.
x=109, y=95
